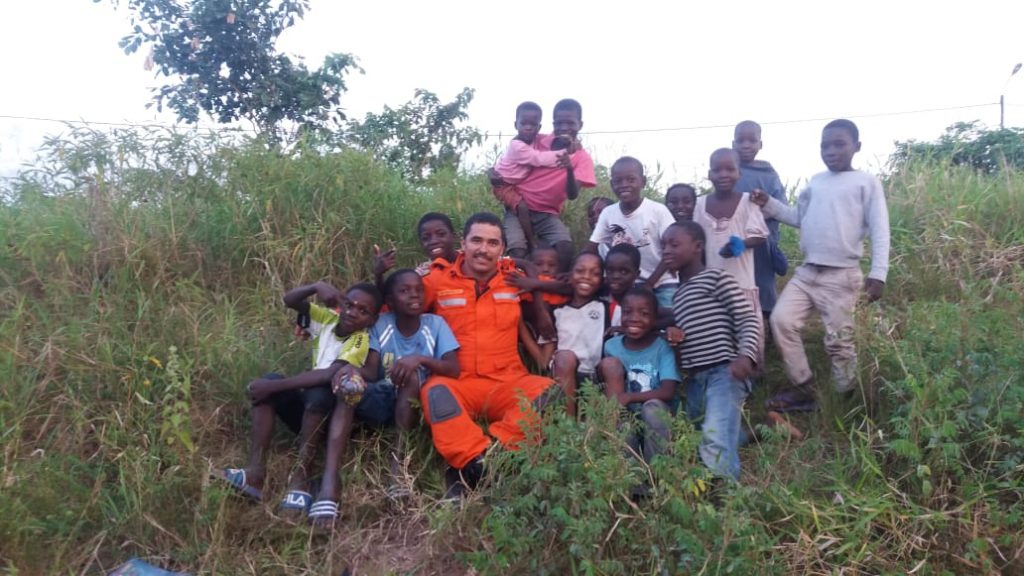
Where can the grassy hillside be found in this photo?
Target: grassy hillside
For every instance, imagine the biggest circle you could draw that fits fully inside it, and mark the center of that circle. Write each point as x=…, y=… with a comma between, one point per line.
x=140, y=283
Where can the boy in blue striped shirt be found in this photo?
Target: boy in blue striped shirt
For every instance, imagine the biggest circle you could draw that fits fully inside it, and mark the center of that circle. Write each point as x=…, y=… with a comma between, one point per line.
x=719, y=349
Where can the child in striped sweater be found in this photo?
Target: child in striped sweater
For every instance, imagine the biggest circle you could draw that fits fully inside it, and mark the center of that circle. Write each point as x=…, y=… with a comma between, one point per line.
x=719, y=349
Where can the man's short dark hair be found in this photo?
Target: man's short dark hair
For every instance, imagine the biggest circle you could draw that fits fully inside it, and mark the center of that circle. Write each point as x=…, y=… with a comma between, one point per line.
x=484, y=218
x=528, y=107
x=569, y=104
x=844, y=124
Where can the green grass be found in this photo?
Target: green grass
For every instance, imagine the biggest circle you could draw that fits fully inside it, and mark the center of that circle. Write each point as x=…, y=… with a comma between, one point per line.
x=140, y=283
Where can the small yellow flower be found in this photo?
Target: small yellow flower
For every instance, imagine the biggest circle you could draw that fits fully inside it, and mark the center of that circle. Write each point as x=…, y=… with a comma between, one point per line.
x=155, y=362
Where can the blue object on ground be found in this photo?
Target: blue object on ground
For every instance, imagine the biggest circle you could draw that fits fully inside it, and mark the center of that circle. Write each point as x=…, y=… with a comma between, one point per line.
x=136, y=567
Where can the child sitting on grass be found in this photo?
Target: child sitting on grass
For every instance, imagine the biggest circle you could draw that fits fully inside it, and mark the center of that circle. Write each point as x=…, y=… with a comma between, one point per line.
x=305, y=400
x=835, y=212
x=406, y=347
x=517, y=162
x=639, y=371
x=543, y=265
x=719, y=351
x=581, y=324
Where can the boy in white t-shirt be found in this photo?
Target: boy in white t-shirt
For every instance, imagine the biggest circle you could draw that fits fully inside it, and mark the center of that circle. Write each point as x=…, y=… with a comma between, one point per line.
x=637, y=221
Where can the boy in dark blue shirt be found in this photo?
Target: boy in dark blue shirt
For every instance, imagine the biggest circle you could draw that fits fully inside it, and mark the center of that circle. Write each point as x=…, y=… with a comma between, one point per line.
x=759, y=175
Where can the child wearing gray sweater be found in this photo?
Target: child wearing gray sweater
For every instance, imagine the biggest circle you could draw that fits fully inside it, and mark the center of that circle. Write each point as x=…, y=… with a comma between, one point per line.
x=835, y=212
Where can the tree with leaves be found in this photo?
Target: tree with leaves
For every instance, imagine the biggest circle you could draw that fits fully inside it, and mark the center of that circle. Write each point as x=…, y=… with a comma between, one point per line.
x=967, y=144
x=419, y=137
x=221, y=58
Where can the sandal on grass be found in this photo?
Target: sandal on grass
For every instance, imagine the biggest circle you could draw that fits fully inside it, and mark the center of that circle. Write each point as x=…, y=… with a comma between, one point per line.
x=795, y=399
x=296, y=501
x=323, y=513
x=235, y=477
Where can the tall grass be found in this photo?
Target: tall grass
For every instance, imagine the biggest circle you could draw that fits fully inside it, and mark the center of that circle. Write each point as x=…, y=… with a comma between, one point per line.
x=140, y=283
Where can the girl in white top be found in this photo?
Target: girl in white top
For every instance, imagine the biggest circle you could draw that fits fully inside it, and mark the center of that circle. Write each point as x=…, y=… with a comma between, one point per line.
x=732, y=224
x=581, y=324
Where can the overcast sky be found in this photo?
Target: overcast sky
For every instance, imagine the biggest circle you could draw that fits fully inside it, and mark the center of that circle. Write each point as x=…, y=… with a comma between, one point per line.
x=634, y=66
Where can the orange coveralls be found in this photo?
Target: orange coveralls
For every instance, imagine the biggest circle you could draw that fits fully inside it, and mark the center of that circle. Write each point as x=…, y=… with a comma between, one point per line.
x=493, y=380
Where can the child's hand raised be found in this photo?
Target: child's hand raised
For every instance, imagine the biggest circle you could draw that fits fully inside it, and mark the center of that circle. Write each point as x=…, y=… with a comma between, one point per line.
x=873, y=288
x=759, y=197
x=564, y=161
x=328, y=294
x=382, y=261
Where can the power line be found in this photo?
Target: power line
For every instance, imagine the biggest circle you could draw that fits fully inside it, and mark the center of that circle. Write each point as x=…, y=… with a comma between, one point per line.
x=500, y=134
x=121, y=124
x=795, y=121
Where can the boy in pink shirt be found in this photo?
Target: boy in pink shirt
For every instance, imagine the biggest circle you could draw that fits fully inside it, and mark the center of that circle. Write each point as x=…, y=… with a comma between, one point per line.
x=518, y=161
x=545, y=190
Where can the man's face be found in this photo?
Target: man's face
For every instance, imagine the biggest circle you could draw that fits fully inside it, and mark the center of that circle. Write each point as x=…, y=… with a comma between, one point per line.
x=483, y=248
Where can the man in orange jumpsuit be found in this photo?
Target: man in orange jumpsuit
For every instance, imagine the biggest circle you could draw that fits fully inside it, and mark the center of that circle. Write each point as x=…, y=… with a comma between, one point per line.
x=483, y=312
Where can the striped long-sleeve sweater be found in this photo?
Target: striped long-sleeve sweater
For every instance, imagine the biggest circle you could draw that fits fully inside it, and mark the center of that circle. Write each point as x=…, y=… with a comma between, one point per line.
x=718, y=321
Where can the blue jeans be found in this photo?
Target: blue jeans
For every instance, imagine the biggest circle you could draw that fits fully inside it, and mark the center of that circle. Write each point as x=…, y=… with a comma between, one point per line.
x=665, y=293
x=714, y=403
